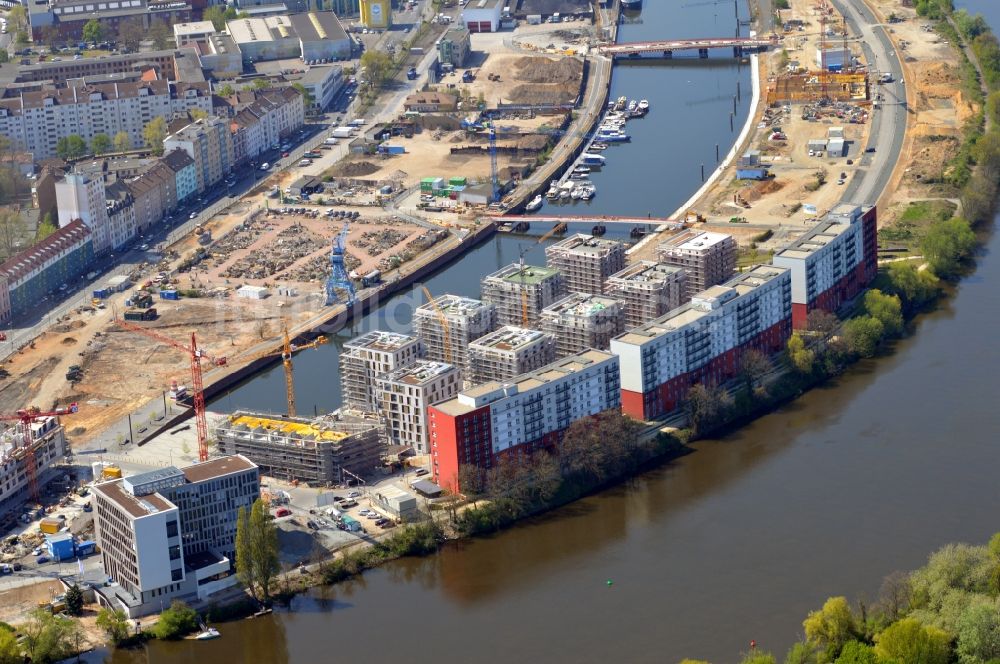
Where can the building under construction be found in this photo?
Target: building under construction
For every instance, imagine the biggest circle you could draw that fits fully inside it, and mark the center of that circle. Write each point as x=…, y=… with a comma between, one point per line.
x=320, y=451
x=586, y=262
x=49, y=445
x=366, y=357
x=403, y=397
x=648, y=289
x=581, y=321
x=708, y=258
x=449, y=323
x=520, y=292
x=509, y=352
x=813, y=86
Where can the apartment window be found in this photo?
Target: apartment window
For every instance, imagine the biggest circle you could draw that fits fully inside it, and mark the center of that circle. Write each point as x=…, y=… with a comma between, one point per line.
x=171, y=529
x=175, y=552
x=176, y=575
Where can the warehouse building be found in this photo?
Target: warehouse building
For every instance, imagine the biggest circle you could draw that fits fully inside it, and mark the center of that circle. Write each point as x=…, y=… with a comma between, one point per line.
x=703, y=340
x=321, y=36
x=405, y=394
x=449, y=323
x=648, y=290
x=580, y=321
x=482, y=15
x=517, y=417
x=586, y=262
x=520, y=292
x=509, y=352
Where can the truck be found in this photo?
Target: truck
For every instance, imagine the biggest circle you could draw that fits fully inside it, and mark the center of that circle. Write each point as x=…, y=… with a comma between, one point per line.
x=330, y=141
x=885, y=78
x=467, y=76
x=342, y=132
x=358, y=122
x=534, y=19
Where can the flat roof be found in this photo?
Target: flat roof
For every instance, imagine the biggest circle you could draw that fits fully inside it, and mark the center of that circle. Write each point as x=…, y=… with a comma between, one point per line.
x=646, y=272
x=269, y=28
x=695, y=240
x=194, y=28
x=419, y=373
x=529, y=274
x=466, y=400
x=381, y=340
x=814, y=239
x=136, y=506
x=483, y=4
x=511, y=338
x=581, y=305
x=293, y=427
x=585, y=245
x=208, y=470
x=457, y=306
x=318, y=26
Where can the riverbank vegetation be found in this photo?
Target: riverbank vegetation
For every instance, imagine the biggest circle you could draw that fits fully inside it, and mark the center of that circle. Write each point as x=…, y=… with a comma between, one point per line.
x=945, y=612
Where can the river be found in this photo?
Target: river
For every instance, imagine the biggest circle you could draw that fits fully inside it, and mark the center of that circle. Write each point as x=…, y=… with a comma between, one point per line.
x=734, y=542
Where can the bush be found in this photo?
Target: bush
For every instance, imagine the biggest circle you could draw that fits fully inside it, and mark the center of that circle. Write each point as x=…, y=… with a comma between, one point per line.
x=863, y=335
x=175, y=622
x=947, y=245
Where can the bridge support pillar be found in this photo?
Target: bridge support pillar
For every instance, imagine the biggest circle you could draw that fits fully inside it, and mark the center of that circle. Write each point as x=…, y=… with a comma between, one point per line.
x=668, y=54
x=702, y=52
x=737, y=51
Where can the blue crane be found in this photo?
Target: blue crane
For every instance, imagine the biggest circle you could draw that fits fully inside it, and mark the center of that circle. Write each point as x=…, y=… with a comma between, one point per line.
x=494, y=176
x=339, y=280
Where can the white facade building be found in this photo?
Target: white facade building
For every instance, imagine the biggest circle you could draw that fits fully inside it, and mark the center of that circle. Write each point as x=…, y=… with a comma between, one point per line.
x=403, y=396
x=81, y=197
x=369, y=356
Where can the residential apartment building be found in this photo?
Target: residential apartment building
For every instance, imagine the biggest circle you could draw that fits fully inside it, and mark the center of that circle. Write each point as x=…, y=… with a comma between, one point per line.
x=121, y=213
x=322, y=82
x=580, y=321
x=449, y=323
x=509, y=352
x=454, y=46
x=521, y=291
x=517, y=417
x=81, y=197
x=365, y=358
x=41, y=269
x=648, y=289
x=321, y=451
x=708, y=258
x=209, y=143
x=171, y=533
x=262, y=118
x=586, y=262
x=704, y=340
x=185, y=174
x=404, y=395
x=35, y=121
x=833, y=262
x=155, y=194
x=49, y=447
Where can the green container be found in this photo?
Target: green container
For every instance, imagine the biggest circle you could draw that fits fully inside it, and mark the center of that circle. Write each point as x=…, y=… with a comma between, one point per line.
x=456, y=181
x=427, y=184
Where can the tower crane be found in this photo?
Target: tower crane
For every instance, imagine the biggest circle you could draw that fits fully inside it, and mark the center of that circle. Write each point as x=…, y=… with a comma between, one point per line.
x=286, y=350
x=445, y=326
x=27, y=417
x=520, y=261
x=198, y=391
x=339, y=279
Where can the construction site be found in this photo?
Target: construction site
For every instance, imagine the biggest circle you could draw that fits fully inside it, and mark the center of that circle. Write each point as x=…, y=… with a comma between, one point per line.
x=586, y=262
x=520, y=292
x=447, y=325
x=581, y=321
x=648, y=290
x=509, y=352
x=368, y=356
x=707, y=258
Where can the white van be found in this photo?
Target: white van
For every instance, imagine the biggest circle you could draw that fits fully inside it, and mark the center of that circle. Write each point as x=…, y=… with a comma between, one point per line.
x=265, y=166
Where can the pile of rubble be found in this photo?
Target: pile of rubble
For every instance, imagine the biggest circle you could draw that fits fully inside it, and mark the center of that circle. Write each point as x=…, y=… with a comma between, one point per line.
x=317, y=268
x=415, y=248
x=379, y=242
x=292, y=243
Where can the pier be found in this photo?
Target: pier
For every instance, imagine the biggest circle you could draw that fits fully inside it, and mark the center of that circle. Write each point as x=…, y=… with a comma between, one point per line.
x=592, y=219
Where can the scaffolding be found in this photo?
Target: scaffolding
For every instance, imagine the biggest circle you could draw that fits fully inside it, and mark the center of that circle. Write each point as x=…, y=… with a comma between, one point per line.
x=580, y=322
x=522, y=291
x=586, y=262
x=48, y=443
x=318, y=451
x=368, y=356
x=648, y=289
x=464, y=320
x=708, y=258
x=509, y=352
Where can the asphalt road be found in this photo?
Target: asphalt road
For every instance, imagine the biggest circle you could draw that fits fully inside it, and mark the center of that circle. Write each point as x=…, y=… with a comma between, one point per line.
x=889, y=120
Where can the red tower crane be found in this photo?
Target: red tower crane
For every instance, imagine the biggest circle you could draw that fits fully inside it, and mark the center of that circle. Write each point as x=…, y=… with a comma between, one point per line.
x=27, y=417
x=197, y=387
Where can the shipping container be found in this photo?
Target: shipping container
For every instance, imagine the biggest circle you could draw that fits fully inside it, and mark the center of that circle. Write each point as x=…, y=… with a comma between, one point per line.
x=425, y=185
x=169, y=295
x=343, y=132
x=102, y=293
x=50, y=526
x=457, y=180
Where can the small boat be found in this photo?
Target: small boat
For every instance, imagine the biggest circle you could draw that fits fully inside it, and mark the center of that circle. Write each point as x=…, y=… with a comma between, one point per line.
x=643, y=105
x=210, y=633
x=534, y=204
x=620, y=104
x=615, y=137
x=598, y=230
x=633, y=106
x=505, y=227
x=581, y=169
x=576, y=193
x=592, y=159
x=587, y=194
x=553, y=191
x=631, y=4
x=600, y=147
x=565, y=194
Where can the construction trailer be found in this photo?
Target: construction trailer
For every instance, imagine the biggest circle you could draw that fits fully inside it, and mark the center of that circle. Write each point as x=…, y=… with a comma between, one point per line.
x=586, y=262
x=520, y=292
x=581, y=321
x=509, y=352
x=320, y=451
x=449, y=323
x=648, y=289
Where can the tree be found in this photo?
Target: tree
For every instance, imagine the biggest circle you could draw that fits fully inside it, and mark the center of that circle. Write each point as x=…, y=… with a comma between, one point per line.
x=706, y=406
x=947, y=244
x=154, y=132
x=216, y=15
x=978, y=634
x=225, y=91
x=18, y=17
x=887, y=309
x=910, y=642
x=377, y=66
x=51, y=36
x=160, y=34
x=754, y=365
x=959, y=567
x=801, y=653
x=10, y=650
x=801, y=358
x=93, y=31
x=830, y=627
x=894, y=595
x=863, y=335
x=198, y=114
x=100, y=144
x=257, y=561
x=758, y=658
x=122, y=142
x=71, y=147
x=855, y=652
x=822, y=322
x=175, y=622
x=131, y=34
x=4, y=56
x=74, y=601
x=307, y=97
x=261, y=84
x=114, y=623
x=48, y=638
x=12, y=232
x=914, y=287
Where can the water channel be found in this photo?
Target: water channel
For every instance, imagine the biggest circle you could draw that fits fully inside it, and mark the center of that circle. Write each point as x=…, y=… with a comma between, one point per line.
x=734, y=542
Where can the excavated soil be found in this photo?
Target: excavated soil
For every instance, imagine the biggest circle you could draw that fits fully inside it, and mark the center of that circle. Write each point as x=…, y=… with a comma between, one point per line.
x=354, y=169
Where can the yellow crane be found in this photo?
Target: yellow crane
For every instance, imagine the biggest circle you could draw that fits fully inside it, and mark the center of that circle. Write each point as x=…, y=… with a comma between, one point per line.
x=524, y=291
x=445, y=327
x=286, y=350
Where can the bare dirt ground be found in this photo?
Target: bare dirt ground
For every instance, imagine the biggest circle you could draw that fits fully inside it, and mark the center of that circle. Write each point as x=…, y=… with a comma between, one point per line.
x=16, y=602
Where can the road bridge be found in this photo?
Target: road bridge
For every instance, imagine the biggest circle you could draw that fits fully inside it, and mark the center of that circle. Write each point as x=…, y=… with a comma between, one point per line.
x=666, y=47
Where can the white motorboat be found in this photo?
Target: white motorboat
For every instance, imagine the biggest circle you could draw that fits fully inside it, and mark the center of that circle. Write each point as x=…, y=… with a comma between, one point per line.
x=534, y=204
x=210, y=633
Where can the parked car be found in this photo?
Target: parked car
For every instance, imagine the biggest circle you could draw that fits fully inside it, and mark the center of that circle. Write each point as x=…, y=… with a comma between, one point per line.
x=354, y=494
x=422, y=471
x=41, y=560
x=282, y=511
